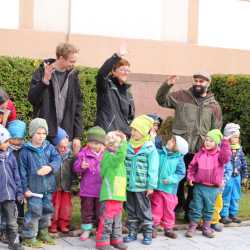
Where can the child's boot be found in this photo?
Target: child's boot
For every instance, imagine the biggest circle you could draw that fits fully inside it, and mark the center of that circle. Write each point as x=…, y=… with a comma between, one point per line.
x=207, y=230
x=43, y=235
x=33, y=243
x=225, y=220
x=235, y=219
x=217, y=227
x=170, y=233
x=191, y=229
x=15, y=246
x=147, y=239
x=120, y=246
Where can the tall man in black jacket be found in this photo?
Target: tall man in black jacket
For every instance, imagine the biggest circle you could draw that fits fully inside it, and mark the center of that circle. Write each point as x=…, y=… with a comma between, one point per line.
x=55, y=94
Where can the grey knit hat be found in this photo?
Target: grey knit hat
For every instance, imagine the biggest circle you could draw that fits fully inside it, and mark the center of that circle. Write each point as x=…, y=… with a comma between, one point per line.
x=37, y=123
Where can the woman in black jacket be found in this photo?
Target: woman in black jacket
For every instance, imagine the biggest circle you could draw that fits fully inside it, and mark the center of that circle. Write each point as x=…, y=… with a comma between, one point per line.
x=115, y=105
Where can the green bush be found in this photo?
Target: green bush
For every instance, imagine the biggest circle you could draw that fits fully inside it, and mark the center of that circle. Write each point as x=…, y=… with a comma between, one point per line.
x=233, y=94
x=15, y=76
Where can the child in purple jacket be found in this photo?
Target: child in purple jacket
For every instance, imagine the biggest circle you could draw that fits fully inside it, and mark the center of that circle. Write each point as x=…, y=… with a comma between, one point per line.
x=88, y=166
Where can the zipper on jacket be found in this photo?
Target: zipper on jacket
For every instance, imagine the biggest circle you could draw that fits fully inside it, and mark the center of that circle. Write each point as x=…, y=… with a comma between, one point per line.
x=111, y=122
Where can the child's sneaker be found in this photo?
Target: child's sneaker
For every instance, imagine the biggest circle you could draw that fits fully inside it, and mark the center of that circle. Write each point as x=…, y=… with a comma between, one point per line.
x=130, y=237
x=235, y=219
x=191, y=229
x=207, y=230
x=15, y=246
x=170, y=233
x=33, y=243
x=217, y=227
x=225, y=220
x=147, y=239
x=85, y=235
x=44, y=236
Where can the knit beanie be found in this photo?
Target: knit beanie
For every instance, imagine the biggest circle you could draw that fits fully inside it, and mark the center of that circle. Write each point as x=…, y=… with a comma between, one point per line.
x=182, y=145
x=216, y=135
x=143, y=124
x=37, y=123
x=4, y=134
x=60, y=135
x=96, y=134
x=156, y=118
x=232, y=129
x=17, y=129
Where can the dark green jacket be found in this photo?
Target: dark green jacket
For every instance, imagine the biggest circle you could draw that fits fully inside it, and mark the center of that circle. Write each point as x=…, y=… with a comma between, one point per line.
x=193, y=118
x=65, y=175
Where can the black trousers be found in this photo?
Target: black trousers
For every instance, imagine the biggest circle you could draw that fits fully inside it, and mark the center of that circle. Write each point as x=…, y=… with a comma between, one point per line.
x=183, y=202
x=138, y=208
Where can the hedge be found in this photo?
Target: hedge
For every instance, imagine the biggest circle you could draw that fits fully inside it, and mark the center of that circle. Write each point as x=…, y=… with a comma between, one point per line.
x=232, y=91
x=15, y=76
x=233, y=94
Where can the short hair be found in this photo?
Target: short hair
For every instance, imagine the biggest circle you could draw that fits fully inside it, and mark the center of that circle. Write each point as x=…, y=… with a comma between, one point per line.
x=65, y=49
x=121, y=62
x=3, y=96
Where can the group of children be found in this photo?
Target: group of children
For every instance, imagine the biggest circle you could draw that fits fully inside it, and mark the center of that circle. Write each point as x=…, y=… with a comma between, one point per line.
x=140, y=174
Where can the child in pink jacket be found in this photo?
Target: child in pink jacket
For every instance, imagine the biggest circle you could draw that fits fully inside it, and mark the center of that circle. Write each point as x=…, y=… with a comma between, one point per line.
x=88, y=166
x=205, y=173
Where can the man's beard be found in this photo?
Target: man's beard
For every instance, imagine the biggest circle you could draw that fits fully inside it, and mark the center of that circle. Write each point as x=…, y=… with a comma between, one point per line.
x=199, y=90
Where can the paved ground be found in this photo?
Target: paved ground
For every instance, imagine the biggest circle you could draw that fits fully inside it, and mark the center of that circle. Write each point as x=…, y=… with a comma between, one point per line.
x=233, y=238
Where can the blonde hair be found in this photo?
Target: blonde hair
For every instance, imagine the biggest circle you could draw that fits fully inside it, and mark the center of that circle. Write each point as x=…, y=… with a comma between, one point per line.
x=65, y=49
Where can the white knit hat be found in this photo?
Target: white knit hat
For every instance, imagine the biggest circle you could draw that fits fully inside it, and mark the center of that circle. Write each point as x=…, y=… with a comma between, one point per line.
x=182, y=145
x=232, y=129
x=4, y=134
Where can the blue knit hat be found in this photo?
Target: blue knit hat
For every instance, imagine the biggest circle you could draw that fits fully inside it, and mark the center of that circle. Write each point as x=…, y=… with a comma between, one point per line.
x=61, y=134
x=17, y=129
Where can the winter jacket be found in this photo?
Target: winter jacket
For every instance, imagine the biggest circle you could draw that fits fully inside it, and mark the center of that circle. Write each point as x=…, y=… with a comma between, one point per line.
x=113, y=172
x=193, y=118
x=42, y=98
x=31, y=159
x=10, y=183
x=115, y=105
x=207, y=167
x=91, y=180
x=142, y=168
x=172, y=168
x=65, y=175
x=239, y=164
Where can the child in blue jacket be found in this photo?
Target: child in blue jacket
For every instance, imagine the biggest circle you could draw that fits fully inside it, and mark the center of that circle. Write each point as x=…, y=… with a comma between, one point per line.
x=171, y=171
x=10, y=189
x=232, y=191
x=39, y=161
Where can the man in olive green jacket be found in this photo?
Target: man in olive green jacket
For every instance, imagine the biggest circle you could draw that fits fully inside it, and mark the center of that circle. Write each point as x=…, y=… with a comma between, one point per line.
x=196, y=112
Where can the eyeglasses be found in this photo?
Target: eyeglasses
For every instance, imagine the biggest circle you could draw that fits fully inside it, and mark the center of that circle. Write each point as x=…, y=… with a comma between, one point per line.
x=123, y=70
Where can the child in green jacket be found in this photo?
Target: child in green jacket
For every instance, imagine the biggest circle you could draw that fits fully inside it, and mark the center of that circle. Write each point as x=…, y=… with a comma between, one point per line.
x=113, y=193
x=142, y=163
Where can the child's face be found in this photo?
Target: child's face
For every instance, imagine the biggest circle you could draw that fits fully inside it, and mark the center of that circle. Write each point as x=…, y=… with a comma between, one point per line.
x=171, y=144
x=16, y=141
x=62, y=147
x=4, y=105
x=95, y=146
x=4, y=146
x=136, y=135
x=209, y=143
x=39, y=137
x=235, y=140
